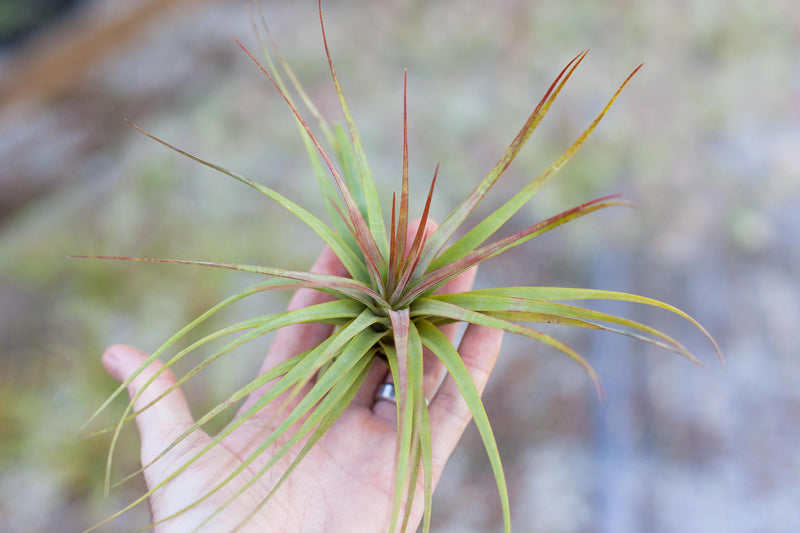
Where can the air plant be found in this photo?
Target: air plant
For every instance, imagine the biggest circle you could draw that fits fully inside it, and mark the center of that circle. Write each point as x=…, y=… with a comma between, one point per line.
x=388, y=307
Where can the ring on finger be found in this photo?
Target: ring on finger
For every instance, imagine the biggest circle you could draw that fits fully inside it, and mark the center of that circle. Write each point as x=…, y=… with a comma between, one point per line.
x=387, y=391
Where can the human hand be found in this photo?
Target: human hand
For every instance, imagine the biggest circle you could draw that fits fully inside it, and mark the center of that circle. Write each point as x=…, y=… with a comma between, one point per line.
x=344, y=484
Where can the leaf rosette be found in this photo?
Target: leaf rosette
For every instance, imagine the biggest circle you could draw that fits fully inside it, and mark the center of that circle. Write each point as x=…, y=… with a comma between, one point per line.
x=389, y=306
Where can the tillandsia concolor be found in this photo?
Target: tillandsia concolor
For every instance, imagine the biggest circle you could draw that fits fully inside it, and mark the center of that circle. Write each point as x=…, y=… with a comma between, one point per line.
x=387, y=307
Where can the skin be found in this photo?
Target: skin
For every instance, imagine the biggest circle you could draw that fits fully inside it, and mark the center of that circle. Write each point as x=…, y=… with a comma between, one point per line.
x=345, y=483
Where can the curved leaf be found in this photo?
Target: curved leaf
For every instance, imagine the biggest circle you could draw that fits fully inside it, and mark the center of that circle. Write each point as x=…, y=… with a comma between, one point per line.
x=263, y=286
x=331, y=408
x=524, y=308
x=374, y=214
x=440, y=345
x=345, y=362
x=565, y=293
x=433, y=280
x=492, y=223
x=427, y=306
x=306, y=367
x=342, y=251
x=324, y=282
x=457, y=217
x=324, y=312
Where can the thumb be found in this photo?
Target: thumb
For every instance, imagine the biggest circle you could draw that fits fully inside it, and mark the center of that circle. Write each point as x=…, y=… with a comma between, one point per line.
x=163, y=421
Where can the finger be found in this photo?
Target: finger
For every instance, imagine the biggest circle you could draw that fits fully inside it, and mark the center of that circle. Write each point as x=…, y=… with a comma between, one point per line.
x=365, y=397
x=292, y=340
x=165, y=420
x=449, y=413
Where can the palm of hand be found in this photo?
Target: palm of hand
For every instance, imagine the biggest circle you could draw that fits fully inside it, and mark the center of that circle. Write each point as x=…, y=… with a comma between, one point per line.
x=346, y=481
x=343, y=481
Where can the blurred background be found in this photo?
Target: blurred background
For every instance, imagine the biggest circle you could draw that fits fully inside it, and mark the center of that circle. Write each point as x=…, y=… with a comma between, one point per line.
x=705, y=140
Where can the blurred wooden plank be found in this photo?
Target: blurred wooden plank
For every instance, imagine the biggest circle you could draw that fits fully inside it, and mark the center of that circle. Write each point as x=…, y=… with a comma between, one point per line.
x=57, y=61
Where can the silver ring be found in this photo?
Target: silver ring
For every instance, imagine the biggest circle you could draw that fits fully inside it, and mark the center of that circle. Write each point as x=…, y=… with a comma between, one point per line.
x=386, y=392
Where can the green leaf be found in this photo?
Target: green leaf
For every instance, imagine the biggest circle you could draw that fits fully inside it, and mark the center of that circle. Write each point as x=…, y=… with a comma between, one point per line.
x=440, y=345
x=347, y=160
x=492, y=223
x=402, y=219
x=316, y=313
x=329, y=195
x=366, y=241
x=564, y=293
x=323, y=124
x=342, y=251
x=457, y=217
x=332, y=204
x=331, y=408
x=517, y=308
x=415, y=253
x=262, y=379
x=399, y=354
x=302, y=370
x=345, y=362
x=433, y=280
x=374, y=214
x=419, y=441
x=426, y=446
x=521, y=316
x=324, y=282
x=428, y=306
x=413, y=475
x=391, y=275
x=263, y=286
x=265, y=324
